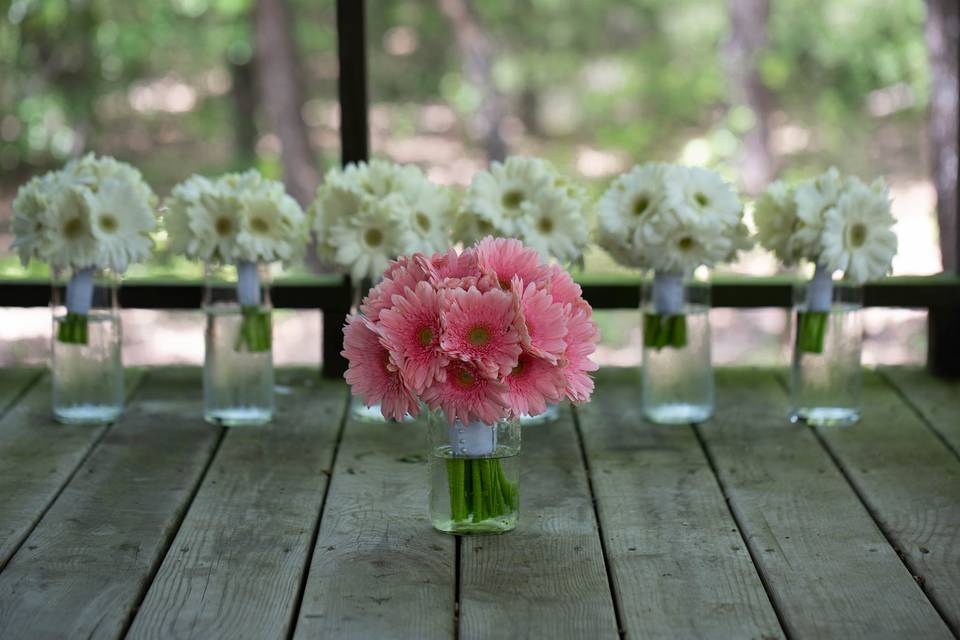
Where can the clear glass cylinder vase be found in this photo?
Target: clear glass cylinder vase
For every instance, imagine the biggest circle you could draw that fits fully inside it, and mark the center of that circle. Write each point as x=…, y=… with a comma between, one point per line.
x=238, y=358
x=677, y=373
x=474, y=475
x=827, y=339
x=86, y=345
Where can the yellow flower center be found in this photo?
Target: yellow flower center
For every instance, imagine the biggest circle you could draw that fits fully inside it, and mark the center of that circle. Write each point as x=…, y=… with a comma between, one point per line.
x=73, y=228
x=425, y=336
x=464, y=379
x=108, y=222
x=373, y=237
x=641, y=204
x=512, y=198
x=545, y=225
x=701, y=199
x=858, y=235
x=223, y=226
x=484, y=227
x=685, y=243
x=478, y=336
x=259, y=225
x=423, y=221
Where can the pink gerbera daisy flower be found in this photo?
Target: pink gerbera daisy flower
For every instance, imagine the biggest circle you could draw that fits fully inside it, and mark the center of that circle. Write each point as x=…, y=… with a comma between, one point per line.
x=372, y=375
x=532, y=384
x=541, y=321
x=441, y=266
x=581, y=339
x=411, y=330
x=467, y=395
x=480, y=328
x=400, y=279
x=562, y=287
x=505, y=258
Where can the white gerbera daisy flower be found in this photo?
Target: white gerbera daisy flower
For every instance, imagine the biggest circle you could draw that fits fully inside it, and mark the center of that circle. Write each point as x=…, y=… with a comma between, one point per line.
x=68, y=238
x=30, y=215
x=177, y=213
x=92, y=171
x=431, y=211
x=215, y=222
x=857, y=235
x=553, y=224
x=815, y=197
x=121, y=221
x=775, y=215
x=696, y=194
x=632, y=200
x=367, y=241
x=273, y=227
x=498, y=195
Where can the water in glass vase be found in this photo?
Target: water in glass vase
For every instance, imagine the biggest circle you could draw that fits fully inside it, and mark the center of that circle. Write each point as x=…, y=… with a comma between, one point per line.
x=825, y=383
x=88, y=378
x=237, y=382
x=678, y=380
x=474, y=495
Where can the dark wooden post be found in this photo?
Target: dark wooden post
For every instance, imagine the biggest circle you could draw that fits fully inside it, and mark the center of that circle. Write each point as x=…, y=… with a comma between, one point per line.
x=354, y=143
x=942, y=34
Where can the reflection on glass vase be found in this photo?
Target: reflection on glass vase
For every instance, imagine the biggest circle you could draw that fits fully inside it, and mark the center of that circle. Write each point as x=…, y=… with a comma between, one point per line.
x=552, y=414
x=474, y=475
x=86, y=365
x=238, y=361
x=827, y=338
x=677, y=374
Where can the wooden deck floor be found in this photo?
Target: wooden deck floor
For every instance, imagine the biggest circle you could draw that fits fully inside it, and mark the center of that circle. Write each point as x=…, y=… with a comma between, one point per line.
x=161, y=526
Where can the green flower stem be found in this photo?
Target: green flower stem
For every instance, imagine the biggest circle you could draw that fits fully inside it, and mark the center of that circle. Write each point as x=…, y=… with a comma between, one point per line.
x=811, y=330
x=73, y=329
x=661, y=331
x=479, y=489
x=256, y=332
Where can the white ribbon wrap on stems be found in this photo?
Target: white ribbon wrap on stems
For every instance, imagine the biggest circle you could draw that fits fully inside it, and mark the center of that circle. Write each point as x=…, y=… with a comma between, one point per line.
x=668, y=293
x=474, y=439
x=820, y=290
x=80, y=291
x=248, y=284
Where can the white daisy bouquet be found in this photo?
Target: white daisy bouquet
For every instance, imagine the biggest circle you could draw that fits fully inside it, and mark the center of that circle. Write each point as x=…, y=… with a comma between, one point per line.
x=368, y=213
x=526, y=198
x=95, y=213
x=838, y=224
x=671, y=219
x=241, y=219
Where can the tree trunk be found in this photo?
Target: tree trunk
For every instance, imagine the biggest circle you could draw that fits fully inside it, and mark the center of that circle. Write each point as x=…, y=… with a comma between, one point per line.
x=244, y=97
x=942, y=33
x=477, y=54
x=282, y=95
x=748, y=38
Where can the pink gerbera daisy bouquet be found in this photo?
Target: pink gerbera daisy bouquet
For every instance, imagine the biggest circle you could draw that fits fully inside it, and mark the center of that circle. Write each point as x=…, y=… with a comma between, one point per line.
x=480, y=338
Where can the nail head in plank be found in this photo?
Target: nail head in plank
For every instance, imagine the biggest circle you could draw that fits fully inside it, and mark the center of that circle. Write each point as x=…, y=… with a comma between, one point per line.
x=39, y=456
x=378, y=569
x=85, y=565
x=826, y=564
x=680, y=567
x=546, y=578
x=235, y=566
x=911, y=483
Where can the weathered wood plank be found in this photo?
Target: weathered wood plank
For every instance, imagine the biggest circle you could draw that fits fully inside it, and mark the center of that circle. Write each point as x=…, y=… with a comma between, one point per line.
x=547, y=578
x=911, y=483
x=827, y=566
x=85, y=565
x=235, y=566
x=679, y=565
x=38, y=456
x=937, y=399
x=378, y=569
x=13, y=382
